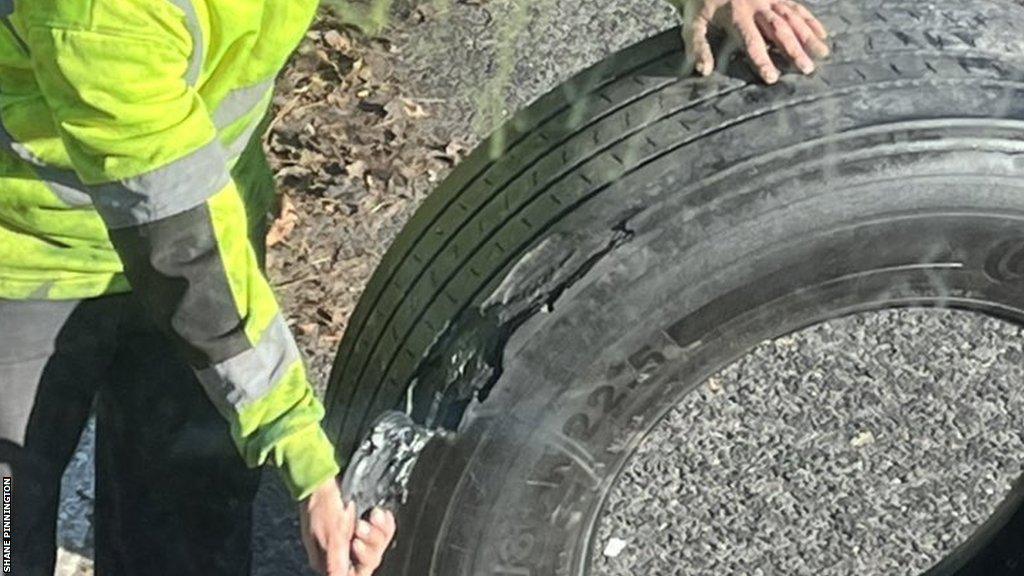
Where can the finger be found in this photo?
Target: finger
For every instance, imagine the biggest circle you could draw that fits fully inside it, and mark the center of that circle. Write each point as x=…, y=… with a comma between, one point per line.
x=803, y=31
x=743, y=20
x=391, y=525
x=339, y=559
x=351, y=517
x=696, y=16
x=367, y=558
x=384, y=521
x=365, y=570
x=370, y=534
x=317, y=562
x=819, y=29
x=338, y=562
x=778, y=30
x=314, y=555
x=698, y=48
x=373, y=537
x=379, y=517
x=340, y=545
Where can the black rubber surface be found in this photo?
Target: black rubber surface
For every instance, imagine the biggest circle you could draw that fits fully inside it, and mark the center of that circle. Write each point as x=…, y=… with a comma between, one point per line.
x=635, y=231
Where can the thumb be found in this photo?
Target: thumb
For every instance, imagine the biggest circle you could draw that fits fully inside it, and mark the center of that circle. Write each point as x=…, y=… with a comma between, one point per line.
x=338, y=561
x=351, y=519
x=348, y=534
x=339, y=558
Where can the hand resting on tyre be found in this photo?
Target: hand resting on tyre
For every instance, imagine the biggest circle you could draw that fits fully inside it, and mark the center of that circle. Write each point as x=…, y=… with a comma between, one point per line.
x=758, y=24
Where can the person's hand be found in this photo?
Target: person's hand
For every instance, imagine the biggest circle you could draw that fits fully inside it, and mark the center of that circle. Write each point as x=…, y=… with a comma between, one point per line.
x=336, y=541
x=371, y=541
x=785, y=24
x=327, y=528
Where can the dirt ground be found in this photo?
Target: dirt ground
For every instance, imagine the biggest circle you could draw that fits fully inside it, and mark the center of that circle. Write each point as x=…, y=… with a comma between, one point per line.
x=352, y=161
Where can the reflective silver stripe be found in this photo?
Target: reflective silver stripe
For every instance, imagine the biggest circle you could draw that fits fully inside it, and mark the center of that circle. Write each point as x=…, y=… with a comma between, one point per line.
x=235, y=149
x=167, y=191
x=17, y=148
x=240, y=102
x=42, y=291
x=64, y=184
x=251, y=375
x=195, y=64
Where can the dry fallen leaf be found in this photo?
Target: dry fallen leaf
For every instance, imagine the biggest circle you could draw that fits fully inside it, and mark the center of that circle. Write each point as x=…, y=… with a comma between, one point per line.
x=413, y=109
x=356, y=169
x=285, y=223
x=335, y=40
x=456, y=149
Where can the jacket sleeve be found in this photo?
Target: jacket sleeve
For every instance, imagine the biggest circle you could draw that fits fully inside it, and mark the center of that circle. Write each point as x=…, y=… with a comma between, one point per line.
x=143, y=142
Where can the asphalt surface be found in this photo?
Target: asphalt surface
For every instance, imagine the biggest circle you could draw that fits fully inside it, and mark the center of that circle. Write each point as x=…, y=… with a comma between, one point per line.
x=870, y=445
x=478, y=63
x=797, y=456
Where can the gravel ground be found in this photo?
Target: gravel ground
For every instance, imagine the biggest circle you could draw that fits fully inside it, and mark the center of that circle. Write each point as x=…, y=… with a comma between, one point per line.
x=513, y=51
x=870, y=445
x=468, y=65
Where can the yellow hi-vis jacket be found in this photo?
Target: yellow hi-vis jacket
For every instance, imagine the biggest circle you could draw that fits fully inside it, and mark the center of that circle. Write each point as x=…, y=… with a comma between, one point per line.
x=127, y=162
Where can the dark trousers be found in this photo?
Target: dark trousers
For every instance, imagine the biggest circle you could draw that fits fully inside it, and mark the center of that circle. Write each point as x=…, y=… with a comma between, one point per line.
x=172, y=494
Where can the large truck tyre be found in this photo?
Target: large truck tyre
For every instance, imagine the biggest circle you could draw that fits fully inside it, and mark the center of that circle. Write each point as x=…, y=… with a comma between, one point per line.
x=637, y=229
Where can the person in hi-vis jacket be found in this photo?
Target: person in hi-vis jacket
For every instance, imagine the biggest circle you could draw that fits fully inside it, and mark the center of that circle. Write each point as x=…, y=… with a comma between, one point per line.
x=133, y=196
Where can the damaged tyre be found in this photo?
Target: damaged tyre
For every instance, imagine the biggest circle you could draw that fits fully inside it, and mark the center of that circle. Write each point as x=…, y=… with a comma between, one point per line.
x=635, y=231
